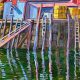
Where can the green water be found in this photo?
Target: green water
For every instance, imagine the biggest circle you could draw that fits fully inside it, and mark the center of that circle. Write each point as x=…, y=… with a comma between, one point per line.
x=20, y=68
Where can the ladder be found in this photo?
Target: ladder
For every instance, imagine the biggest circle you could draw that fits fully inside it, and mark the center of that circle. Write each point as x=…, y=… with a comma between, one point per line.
x=43, y=42
x=43, y=31
x=77, y=45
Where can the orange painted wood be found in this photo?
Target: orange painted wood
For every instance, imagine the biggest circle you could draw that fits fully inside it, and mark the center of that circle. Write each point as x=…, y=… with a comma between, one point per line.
x=53, y=4
x=14, y=2
x=76, y=1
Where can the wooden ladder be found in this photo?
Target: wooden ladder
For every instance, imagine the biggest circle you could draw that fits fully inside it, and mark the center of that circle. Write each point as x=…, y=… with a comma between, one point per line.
x=77, y=46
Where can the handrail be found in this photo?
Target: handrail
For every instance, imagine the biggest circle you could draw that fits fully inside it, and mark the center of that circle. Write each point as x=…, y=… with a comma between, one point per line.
x=16, y=31
x=9, y=34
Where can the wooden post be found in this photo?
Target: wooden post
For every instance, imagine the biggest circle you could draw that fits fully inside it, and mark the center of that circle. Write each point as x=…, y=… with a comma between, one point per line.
x=39, y=36
x=35, y=42
x=67, y=52
x=4, y=27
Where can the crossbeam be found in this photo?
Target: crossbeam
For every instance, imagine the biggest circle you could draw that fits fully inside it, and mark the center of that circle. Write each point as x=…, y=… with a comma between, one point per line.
x=53, y=4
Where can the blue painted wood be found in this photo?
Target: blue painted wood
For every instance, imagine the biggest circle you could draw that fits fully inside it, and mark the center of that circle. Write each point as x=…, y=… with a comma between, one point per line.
x=6, y=12
x=47, y=9
x=33, y=12
x=18, y=11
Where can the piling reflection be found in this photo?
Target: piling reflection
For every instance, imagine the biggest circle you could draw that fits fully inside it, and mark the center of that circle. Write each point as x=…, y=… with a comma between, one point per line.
x=2, y=70
x=23, y=66
x=28, y=61
x=9, y=61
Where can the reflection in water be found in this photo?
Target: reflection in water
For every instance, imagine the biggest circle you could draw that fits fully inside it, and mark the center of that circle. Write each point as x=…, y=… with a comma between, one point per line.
x=28, y=59
x=43, y=64
x=13, y=60
x=22, y=68
x=36, y=65
x=27, y=70
x=8, y=57
x=2, y=69
x=23, y=71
